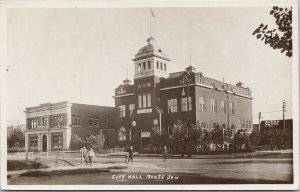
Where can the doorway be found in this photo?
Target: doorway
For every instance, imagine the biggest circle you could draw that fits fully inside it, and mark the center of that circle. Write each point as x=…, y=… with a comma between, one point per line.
x=44, y=143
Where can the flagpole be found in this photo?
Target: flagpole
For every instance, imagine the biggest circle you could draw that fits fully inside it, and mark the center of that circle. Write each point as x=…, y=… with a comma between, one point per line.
x=150, y=21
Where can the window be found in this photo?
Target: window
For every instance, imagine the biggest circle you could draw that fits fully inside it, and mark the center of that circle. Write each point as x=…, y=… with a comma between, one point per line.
x=58, y=120
x=129, y=134
x=184, y=104
x=161, y=66
x=106, y=120
x=34, y=123
x=96, y=122
x=57, y=141
x=144, y=66
x=201, y=104
x=140, y=101
x=75, y=120
x=144, y=100
x=148, y=99
x=149, y=65
x=250, y=124
x=172, y=105
x=90, y=121
x=33, y=141
x=122, y=134
x=231, y=108
x=131, y=109
x=122, y=109
x=139, y=67
x=148, y=84
x=157, y=64
x=213, y=105
x=222, y=103
x=45, y=121
x=243, y=123
x=165, y=67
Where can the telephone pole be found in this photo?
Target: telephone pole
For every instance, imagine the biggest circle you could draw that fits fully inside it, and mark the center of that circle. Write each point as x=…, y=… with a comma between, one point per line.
x=259, y=117
x=283, y=112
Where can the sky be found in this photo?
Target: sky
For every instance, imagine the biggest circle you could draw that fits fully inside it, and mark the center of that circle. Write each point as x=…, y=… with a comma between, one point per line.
x=82, y=54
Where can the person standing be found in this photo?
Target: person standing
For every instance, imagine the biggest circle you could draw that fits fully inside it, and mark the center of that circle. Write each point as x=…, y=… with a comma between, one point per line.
x=165, y=153
x=130, y=153
x=91, y=155
x=84, y=153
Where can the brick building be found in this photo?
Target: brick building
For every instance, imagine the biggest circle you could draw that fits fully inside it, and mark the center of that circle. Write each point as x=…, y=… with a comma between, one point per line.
x=157, y=98
x=49, y=127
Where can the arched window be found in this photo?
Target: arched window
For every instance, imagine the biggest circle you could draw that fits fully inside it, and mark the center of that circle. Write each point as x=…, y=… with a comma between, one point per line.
x=139, y=67
x=203, y=125
x=223, y=126
x=214, y=125
x=122, y=134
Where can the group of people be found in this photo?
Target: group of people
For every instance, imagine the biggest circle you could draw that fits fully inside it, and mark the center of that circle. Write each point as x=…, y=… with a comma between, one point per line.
x=129, y=155
x=87, y=155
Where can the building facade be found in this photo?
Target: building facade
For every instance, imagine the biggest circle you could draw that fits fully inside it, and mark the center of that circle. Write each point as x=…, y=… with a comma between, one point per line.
x=49, y=127
x=157, y=98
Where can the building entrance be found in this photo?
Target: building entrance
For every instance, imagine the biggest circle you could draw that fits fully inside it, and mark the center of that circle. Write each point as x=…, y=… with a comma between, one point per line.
x=44, y=143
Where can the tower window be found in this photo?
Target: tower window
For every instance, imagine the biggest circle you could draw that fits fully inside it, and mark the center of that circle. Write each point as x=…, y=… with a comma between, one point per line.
x=165, y=66
x=144, y=66
x=139, y=67
x=149, y=65
x=157, y=65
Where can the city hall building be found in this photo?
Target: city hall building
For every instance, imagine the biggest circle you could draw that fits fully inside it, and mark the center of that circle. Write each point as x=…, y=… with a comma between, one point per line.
x=49, y=126
x=159, y=98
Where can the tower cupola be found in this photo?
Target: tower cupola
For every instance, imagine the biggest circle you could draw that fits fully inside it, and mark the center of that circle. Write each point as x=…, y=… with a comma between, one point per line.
x=150, y=60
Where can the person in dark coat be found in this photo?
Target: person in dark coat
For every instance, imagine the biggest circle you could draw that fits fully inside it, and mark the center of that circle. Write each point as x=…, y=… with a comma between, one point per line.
x=130, y=155
x=165, y=153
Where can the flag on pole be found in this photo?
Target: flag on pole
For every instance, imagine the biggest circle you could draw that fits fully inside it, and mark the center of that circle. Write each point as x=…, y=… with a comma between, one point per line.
x=152, y=13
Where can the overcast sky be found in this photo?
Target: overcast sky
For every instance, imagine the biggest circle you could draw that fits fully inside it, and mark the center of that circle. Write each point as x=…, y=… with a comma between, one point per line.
x=81, y=55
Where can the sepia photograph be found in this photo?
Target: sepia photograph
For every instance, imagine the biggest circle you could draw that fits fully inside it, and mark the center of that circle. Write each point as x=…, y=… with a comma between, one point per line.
x=149, y=95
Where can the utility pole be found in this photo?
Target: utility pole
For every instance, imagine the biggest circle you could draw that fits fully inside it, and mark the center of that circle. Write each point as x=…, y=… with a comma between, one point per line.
x=283, y=113
x=259, y=117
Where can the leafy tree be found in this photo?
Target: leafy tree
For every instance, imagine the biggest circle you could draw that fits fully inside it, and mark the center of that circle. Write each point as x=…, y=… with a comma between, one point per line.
x=255, y=138
x=217, y=137
x=239, y=140
x=280, y=38
x=76, y=142
x=204, y=140
x=16, y=138
x=96, y=142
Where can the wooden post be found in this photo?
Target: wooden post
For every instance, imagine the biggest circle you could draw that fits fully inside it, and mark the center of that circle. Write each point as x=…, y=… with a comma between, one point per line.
x=81, y=157
x=26, y=158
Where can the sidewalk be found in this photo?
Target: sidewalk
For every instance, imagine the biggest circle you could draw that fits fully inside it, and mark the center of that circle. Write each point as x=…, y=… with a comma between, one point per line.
x=206, y=156
x=95, y=165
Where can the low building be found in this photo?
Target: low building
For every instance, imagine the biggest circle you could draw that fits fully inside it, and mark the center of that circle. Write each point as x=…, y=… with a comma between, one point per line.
x=50, y=126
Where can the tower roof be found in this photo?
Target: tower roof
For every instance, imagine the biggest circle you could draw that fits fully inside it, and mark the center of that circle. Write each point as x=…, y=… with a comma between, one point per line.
x=151, y=49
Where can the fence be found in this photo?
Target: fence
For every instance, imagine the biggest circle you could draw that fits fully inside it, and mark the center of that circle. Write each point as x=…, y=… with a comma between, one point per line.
x=273, y=147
